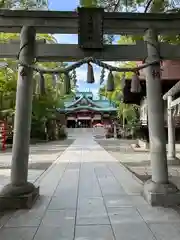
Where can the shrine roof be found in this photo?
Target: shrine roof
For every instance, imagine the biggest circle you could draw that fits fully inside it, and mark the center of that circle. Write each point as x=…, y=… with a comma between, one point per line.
x=95, y=109
x=85, y=102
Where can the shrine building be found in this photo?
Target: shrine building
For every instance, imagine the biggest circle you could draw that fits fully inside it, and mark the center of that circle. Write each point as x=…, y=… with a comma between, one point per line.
x=85, y=111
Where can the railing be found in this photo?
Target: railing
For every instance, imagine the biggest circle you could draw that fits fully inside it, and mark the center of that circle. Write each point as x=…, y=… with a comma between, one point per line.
x=143, y=122
x=176, y=122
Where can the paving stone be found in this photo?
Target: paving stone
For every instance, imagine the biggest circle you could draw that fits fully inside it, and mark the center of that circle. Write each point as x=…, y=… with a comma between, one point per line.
x=88, y=185
x=166, y=231
x=124, y=201
x=126, y=179
x=64, y=201
x=158, y=214
x=25, y=233
x=89, y=191
x=54, y=218
x=66, y=192
x=91, y=211
x=118, y=201
x=138, y=201
x=97, y=232
x=109, y=186
x=48, y=184
x=102, y=171
x=4, y=217
x=102, y=180
x=41, y=203
x=68, y=183
x=124, y=215
x=64, y=232
x=34, y=174
x=25, y=218
x=132, y=231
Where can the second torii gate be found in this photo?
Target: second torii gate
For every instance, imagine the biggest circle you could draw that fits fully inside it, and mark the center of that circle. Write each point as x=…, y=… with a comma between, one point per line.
x=172, y=103
x=157, y=191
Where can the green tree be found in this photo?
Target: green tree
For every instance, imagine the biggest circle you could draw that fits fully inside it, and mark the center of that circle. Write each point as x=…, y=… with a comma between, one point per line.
x=149, y=6
x=44, y=107
x=125, y=112
x=24, y=4
x=134, y=5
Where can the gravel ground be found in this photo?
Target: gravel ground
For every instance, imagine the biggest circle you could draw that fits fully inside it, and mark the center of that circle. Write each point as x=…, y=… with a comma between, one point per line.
x=42, y=155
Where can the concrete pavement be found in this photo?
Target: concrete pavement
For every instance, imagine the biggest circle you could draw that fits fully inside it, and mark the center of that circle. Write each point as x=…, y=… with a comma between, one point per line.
x=88, y=194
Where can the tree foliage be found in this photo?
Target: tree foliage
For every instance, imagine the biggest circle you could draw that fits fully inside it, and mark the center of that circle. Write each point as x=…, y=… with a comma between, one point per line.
x=24, y=4
x=8, y=76
x=125, y=112
x=45, y=106
x=133, y=5
x=149, y=6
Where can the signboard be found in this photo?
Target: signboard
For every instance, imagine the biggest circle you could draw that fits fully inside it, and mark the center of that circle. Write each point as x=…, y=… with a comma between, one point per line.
x=84, y=118
x=97, y=117
x=90, y=28
x=71, y=118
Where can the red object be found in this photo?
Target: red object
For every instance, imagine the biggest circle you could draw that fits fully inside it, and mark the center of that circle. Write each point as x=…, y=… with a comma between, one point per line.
x=3, y=136
x=99, y=125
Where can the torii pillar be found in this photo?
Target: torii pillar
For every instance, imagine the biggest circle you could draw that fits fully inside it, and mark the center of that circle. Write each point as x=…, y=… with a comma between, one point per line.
x=20, y=193
x=158, y=191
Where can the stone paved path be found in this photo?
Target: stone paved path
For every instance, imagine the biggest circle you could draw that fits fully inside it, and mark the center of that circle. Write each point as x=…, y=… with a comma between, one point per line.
x=41, y=156
x=138, y=162
x=87, y=194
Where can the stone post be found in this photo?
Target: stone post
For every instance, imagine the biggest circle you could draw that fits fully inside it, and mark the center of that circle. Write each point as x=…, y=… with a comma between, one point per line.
x=115, y=130
x=157, y=191
x=171, y=131
x=20, y=193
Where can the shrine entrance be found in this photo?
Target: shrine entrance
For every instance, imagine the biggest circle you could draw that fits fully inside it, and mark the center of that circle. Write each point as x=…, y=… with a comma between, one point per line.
x=84, y=123
x=71, y=124
x=91, y=26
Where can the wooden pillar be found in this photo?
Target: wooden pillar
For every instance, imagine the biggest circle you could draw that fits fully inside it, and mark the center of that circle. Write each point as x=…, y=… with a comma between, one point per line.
x=19, y=186
x=158, y=190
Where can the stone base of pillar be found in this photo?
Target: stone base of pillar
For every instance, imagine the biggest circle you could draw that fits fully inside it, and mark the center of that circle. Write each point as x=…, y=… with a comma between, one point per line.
x=14, y=197
x=161, y=194
x=173, y=161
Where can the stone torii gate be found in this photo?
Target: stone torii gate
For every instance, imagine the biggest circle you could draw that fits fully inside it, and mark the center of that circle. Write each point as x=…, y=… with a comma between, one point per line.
x=172, y=103
x=92, y=24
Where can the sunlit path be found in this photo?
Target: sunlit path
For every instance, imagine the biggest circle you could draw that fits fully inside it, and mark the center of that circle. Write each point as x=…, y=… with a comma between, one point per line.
x=88, y=194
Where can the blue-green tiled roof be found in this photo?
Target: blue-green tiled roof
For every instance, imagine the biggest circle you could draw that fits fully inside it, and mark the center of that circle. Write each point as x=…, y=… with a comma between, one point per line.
x=110, y=109
x=99, y=105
